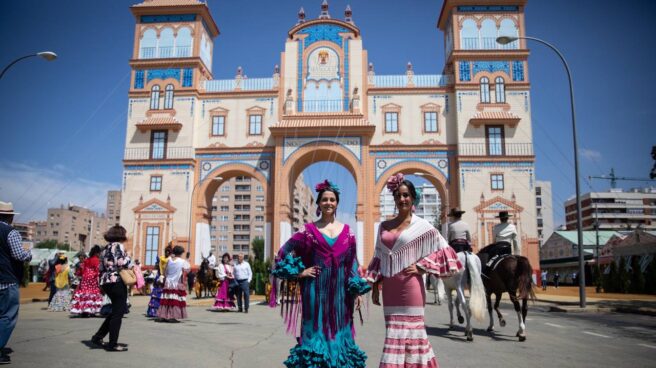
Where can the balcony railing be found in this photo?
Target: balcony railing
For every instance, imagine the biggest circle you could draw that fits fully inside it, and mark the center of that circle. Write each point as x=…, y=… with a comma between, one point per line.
x=246, y=84
x=484, y=149
x=416, y=80
x=323, y=105
x=485, y=43
x=155, y=154
x=164, y=52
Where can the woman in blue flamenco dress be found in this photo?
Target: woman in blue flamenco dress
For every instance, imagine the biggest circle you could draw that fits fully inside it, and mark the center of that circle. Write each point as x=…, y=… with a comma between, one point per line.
x=323, y=286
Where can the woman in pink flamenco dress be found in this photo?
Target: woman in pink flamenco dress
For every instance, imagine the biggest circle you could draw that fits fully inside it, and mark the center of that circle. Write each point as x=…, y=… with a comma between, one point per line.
x=223, y=300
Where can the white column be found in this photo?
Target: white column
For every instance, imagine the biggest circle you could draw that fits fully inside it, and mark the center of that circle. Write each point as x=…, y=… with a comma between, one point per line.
x=267, y=241
x=203, y=244
x=285, y=232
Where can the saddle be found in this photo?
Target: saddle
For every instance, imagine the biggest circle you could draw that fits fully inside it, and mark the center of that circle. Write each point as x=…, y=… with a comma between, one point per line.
x=492, y=264
x=460, y=245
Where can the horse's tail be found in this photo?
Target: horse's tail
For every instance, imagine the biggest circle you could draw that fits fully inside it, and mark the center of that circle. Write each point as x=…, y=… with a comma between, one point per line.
x=524, y=273
x=477, y=301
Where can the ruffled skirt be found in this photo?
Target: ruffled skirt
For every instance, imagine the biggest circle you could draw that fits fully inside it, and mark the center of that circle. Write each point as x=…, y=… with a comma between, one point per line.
x=222, y=302
x=406, y=343
x=88, y=302
x=61, y=301
x=153, y=304
x=173, y=303
x=317, y=351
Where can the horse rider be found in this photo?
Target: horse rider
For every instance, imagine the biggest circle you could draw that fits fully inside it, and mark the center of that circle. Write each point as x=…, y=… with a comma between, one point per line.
x=211, y=260
x=505, y=236
x=459, y=233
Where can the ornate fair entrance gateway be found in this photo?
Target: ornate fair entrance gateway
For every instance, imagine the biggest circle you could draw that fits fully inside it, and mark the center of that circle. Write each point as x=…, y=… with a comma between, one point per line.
x=468, y=131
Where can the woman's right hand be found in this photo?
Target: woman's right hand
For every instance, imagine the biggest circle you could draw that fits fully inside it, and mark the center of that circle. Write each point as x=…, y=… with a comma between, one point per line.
x=375, y=294
x=313, y=272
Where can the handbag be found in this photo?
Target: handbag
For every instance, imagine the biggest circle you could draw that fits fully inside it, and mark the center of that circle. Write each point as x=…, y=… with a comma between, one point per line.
x=128, y=276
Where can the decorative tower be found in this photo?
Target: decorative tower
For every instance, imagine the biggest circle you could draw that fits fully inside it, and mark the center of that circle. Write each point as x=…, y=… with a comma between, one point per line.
x=492, y=116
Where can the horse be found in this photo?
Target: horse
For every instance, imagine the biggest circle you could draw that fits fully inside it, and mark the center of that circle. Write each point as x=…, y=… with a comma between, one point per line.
x=511, y=275
x=469, y=276
x=205, y=279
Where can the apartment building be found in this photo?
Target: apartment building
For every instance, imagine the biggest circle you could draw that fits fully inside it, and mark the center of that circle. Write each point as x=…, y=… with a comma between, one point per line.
x=113, y=211
x=74, y=225
x=543, y=210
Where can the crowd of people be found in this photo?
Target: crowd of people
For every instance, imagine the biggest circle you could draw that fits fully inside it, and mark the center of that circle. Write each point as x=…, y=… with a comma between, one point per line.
x=316, y=278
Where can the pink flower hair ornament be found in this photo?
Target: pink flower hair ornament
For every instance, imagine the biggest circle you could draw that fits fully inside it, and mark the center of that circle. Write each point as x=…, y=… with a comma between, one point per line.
x=394, y=182
x=326, y=185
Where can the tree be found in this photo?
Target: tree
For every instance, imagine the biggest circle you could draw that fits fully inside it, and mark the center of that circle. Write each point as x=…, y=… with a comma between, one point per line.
x=623, y=277
x=51, y=244
x=637, y=277
x=610, y=279
x=258, y=248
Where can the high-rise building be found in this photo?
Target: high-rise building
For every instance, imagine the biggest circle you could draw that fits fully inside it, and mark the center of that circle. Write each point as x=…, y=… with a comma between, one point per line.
x=238, y=213
x=113, y=211
x=615, y=210
x=304, y=207
x=26, y=231
x=428, y=208
x=76, y=226
x=543, y=210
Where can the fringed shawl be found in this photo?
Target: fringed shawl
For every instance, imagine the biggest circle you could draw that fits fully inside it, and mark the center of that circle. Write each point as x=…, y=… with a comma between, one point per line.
x=417, y=241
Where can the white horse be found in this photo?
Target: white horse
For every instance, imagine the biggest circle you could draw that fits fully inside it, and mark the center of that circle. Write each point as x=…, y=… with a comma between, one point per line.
x=469, y=276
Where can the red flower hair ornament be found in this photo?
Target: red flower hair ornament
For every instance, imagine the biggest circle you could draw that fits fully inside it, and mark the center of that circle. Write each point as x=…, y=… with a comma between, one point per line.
x=394, y=182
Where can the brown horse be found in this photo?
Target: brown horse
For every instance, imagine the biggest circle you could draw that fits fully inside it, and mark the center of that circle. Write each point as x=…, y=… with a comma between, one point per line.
x=512, y=275
x=206, y=279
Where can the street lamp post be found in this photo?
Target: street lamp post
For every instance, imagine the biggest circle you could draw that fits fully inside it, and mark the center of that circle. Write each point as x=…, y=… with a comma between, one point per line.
x=218, y=178
x=503, y=40
x=48, y=55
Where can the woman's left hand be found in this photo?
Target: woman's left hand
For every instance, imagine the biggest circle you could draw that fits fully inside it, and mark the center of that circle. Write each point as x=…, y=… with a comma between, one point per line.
x=413, y=270
x=358, y=302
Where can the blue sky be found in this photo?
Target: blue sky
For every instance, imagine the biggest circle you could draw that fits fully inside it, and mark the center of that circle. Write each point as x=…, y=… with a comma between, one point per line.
x=64, y=122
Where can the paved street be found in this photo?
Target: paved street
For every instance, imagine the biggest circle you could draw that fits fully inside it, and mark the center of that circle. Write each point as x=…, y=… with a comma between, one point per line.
x=257, y=339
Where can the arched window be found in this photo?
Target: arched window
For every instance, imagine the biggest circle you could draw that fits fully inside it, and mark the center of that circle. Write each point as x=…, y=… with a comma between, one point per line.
x=488, y=34
x=469, y=35
x=166, y=41
x=154, y=98
x=183, y=42
x=168, y=97
x=500, y=90
x=148, y=45
x=508, y=28
x=485, y=90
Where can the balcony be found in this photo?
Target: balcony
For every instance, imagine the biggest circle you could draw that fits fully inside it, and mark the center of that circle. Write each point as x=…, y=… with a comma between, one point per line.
x=164, y=52
x=239, y=84
x=484, y=149
x=416, y=80
x=323, y=105
x=485, y=43
x=171, y=153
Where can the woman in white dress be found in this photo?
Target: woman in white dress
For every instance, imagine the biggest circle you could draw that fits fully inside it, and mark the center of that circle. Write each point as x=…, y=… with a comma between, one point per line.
x=173, y=303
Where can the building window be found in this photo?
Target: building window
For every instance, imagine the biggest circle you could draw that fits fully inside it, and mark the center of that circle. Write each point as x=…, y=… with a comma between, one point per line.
x=158, y=144
x=259, y=188
x=218, y=125
x=430, y=121
x=538, y=190
x=152, y=244
x=494, y=135
x=540, y=223
x=259, y=198
x=168, y=97
x=500, y=90
x=225, y=188
x=259, y=208
x=154, y=98
x=259, y=218
x=224, y=218
x=155, y=183
x=496, y=181
x=485, y=90
x=538, y=201
x=225, y=208
x=255, y=125
x=391, y=122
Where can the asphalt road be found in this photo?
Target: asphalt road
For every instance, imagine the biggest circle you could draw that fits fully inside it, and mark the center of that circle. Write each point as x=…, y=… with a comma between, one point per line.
x=257, y=339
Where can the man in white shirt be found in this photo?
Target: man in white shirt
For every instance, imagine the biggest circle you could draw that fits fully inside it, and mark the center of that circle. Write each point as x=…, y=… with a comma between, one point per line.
x=243, y=276
x=211, y=260
x=506, y=232
x=459, y=234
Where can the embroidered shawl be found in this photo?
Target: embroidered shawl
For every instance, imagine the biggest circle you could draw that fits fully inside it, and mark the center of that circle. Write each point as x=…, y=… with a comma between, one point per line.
x=417, y=241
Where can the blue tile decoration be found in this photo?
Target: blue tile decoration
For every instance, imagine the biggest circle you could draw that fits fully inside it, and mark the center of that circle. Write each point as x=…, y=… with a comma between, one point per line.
x=187, y=77
x=323, y=32
x=139, y=79
x=346, y=75
x=465, y=72
x=168, y=18
x=488, y=8
x=163, y=74
x=491, y=66
x=299, y=77
x=261, y=166
x=157, y=167
x=352, y=144
x=518, y=71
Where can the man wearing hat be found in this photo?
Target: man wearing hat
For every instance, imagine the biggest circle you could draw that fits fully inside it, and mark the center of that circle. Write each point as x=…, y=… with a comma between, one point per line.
x=505, y=235
x=12, y=257
x=459, y=234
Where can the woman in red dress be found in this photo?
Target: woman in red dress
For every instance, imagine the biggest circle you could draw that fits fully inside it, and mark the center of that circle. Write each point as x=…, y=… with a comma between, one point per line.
x=88, y=298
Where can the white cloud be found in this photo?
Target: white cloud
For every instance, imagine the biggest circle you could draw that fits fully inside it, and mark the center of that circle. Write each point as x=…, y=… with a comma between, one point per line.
x=589, y=154
x=34, y=189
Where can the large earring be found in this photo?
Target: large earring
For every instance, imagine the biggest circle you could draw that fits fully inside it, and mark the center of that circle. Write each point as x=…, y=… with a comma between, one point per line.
x=318, y=211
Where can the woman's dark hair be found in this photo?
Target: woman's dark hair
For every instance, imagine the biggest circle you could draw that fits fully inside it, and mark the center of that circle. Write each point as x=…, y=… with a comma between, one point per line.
x=178, y=250
x=321, y=192
x=116, y=234
x=95, y=250
x=61, y=261
x=226, y=255
x=411, y=189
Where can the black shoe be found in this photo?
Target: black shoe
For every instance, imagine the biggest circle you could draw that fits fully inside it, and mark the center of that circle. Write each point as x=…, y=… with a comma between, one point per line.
x=6, y=351
x=240, y=310
x=97, y=342
x=4, y=359
x=116, y=348
x=246, y=311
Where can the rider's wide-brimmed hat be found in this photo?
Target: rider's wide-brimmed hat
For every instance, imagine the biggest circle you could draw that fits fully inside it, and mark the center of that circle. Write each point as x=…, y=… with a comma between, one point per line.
x=504, y=215
x=7, y=208
x=455, y=212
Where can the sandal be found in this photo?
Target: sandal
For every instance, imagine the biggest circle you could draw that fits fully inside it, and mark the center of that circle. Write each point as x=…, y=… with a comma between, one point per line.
x=117, y=348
